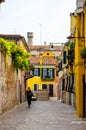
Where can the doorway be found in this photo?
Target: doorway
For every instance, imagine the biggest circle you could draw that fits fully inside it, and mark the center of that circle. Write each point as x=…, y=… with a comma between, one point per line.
x=51, y=90
x=44, y=86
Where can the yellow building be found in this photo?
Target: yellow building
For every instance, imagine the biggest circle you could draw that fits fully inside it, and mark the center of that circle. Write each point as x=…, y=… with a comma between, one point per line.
x=73, y=82
x=44, y=74
x=78, y=36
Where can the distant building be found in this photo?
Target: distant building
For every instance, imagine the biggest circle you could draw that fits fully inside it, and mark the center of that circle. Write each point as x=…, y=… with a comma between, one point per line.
x=38, y=49
x=45, y=75
x=30, y=38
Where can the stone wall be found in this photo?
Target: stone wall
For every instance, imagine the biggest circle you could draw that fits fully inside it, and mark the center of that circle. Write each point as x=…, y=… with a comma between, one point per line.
x=23, y=89
x=8, y=83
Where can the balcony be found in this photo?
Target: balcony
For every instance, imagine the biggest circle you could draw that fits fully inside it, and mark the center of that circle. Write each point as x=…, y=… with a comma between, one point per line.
x=48, y=78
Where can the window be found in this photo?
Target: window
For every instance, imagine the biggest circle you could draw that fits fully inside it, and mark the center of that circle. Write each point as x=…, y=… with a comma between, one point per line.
x=35, y=87
x=44, y=73
x=63, y=84
x=60, y=66
x=44, y=86
x=36, y=72
x=47, y=53
x=64, y=57
x=56, y=72
x=48, y=73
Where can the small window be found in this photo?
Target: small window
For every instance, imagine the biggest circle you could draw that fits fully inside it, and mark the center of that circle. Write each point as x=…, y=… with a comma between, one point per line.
x=47, y=53
x=37, y=72
x=44, y=86
x=35, y=87
x=56, y=72
x=64, y=57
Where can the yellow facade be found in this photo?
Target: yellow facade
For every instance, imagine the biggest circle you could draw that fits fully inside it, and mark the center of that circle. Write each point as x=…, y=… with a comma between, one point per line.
x=38, y=81
x=79, y=65
x=79, y=37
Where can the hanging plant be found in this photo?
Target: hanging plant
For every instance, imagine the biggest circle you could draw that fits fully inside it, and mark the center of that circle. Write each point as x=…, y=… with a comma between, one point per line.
x=83, y=53
x=19, y=56
x=71, y=53
x=72, y=46
x=67, y=43
x=6, y=46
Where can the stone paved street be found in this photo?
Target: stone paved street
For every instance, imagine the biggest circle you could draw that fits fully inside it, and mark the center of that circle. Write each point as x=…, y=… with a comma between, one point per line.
x=43, y=115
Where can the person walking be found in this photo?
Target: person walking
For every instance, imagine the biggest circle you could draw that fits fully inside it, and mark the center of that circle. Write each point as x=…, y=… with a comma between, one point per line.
x=29, y=96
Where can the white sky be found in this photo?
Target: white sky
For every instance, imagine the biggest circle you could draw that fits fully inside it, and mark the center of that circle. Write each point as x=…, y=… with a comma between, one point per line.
x=49, y=20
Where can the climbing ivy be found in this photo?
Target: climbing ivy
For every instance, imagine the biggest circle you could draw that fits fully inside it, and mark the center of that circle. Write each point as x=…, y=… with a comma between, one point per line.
x=19, y=56
x=83, y=53
x=6, y=46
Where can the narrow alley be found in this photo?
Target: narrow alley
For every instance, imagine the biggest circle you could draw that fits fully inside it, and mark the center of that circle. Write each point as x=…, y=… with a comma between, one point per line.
x=43, y=115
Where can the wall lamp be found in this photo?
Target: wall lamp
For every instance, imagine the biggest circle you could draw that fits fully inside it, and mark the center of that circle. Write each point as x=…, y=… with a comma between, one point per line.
x=70, y=37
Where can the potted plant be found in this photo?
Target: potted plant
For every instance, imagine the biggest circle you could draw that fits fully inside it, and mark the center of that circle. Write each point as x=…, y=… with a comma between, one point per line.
x=83, y=53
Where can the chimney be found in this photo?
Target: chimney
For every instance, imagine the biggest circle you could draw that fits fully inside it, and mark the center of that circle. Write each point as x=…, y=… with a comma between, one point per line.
x=51, y=46
x=30, y=38
x=44, y=43
x=80, y=3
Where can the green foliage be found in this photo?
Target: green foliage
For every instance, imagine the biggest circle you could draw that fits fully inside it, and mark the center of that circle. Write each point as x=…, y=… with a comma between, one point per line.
x=6, y=46
x=19, y=56
x=57, y=58
x=67, y=43
x=70, y=44
x=83, y=53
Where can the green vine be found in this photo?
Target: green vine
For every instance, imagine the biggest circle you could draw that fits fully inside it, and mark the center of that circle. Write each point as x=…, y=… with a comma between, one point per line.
x=19, y=56
x=6, y=46
x=83, y=53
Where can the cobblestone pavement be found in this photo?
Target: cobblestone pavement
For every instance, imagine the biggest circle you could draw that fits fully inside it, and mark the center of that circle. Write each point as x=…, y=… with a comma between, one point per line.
x=43, y=115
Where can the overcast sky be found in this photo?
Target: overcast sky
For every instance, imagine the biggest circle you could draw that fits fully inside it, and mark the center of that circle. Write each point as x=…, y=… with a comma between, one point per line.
x=49, y=20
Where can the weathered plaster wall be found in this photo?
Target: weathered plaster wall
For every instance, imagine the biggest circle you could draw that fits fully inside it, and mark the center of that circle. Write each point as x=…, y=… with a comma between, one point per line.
x=8, y=84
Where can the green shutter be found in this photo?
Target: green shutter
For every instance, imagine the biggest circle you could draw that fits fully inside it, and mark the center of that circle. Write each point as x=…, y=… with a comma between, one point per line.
x=38, y=71
x=64, y=57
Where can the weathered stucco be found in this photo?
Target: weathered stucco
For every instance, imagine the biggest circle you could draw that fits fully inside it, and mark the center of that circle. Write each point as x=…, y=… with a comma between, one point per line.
x=8, y=83
x=12, y=83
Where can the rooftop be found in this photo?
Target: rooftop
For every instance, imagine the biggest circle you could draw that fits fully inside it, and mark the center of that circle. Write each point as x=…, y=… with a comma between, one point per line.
x=45, y=48
x=35, y=60
x=11, y=37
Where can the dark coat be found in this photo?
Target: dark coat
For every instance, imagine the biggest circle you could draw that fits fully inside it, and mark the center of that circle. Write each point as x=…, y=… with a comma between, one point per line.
x=29, y=97
x=29, y=94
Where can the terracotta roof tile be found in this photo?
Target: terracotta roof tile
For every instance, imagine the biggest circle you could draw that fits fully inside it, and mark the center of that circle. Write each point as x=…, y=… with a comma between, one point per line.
x=34, y=60
x=47, y=47
x=48, y=61
x=45, y=60
x=14, y=37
